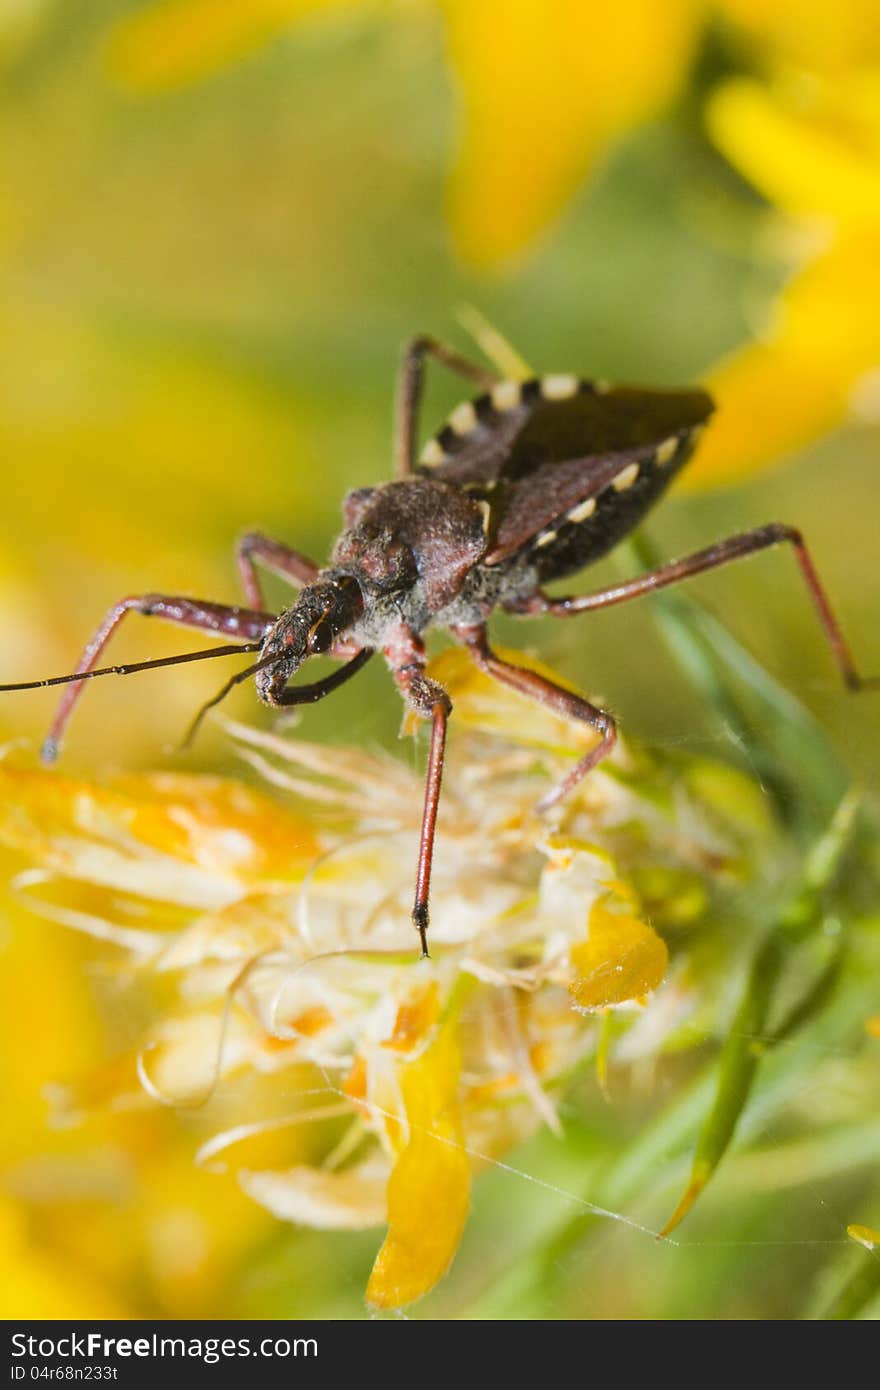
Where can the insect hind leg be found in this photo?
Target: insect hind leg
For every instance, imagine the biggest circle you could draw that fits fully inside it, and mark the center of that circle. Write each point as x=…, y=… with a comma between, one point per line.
x=240, y=624
x=713, y=557
x=409, y=392
x=553, y=697
x=256, y=549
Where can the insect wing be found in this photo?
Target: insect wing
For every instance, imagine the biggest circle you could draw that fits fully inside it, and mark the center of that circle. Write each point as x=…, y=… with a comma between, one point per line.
x=571, y=454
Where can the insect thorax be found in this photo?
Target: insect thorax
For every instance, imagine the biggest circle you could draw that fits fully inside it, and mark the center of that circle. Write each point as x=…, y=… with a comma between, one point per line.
x=414, y=548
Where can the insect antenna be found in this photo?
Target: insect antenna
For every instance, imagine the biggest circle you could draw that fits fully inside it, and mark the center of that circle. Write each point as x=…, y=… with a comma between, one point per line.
x=224, y=690
x=130, y=667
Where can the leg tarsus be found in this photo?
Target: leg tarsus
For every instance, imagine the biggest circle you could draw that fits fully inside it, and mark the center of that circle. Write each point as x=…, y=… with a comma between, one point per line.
x=421, y=922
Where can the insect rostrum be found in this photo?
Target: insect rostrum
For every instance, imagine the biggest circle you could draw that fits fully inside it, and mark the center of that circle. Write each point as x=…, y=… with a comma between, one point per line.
x=528, y=482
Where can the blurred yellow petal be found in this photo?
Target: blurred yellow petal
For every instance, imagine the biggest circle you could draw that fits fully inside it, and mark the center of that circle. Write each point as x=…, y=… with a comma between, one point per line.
x=37, y=1284
x=622, y=960
x=546, y=89
x=815, y=151
x=429, y=1189
x=188, y=839
x=777, y=395
x=123, y=424
x=811, y=149
x=195, y=1230
x=48, y=1026
x=415, y=1017
x=182, y=40
x=827, y=35
x=865, y=1235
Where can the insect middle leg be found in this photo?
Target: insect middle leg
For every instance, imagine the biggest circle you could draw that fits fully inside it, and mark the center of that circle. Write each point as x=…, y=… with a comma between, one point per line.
x=240, y=624
x=722, y=553
x=553, y=697
x=406, y=657
x=254, y=548
x=409, y=392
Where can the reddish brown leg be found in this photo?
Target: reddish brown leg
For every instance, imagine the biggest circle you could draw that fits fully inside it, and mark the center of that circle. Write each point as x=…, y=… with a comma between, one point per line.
x=254, y=549
x=241, y=624
x=553, y=697
x=406, y=657
x=734, y=548
x=409, y=393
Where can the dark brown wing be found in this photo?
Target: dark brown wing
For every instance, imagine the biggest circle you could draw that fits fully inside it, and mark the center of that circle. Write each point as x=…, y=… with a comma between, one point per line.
x=541, y=451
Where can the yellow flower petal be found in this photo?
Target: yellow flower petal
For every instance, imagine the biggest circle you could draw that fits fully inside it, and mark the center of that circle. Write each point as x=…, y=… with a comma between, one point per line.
x=49, y=1028
x=777, y=395
x=195, y=840
x=826, y=35
x=865, y=1235
x=38, y=1284
x=814, y=149
x=546, y=89
x=815, y=154
x=623, y=959
x=429, y=1189
x=482, y=703
x=415, y=1017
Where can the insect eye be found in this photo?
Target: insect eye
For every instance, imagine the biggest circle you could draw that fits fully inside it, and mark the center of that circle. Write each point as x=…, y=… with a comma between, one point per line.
x=320, y=637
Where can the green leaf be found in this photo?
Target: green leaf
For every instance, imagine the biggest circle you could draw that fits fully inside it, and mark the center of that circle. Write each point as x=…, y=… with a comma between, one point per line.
x=777, y=737
x=751, y=1035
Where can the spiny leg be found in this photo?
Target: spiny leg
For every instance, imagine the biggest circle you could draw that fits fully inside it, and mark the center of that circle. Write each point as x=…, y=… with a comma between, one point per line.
x=409, y=393
x=553, y=697
x=406, y=657
x=256, y=549
x=241, y=624
x=722, y=553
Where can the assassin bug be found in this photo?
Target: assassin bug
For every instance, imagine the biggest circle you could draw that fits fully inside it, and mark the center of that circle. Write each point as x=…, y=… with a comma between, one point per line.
x=529, y=482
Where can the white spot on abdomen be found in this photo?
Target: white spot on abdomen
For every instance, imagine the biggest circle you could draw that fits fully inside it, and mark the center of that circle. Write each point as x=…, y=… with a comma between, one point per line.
x=559, y=387
x=582, y=510
x=626, y=477
x=506, y=395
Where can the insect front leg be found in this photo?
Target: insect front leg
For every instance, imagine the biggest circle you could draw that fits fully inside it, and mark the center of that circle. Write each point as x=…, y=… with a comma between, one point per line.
x=256, y=549
x=409, y=392
x=406, y=657
x=240, y=624
x=553, y=697
x=722, y=553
